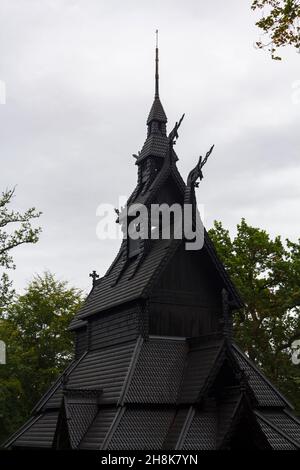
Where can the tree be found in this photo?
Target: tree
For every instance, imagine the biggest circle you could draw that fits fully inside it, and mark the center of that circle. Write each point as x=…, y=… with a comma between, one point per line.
x=7, y=292
x=266, y=272
x=39, y=346
x=15, y=230
x=280, y=22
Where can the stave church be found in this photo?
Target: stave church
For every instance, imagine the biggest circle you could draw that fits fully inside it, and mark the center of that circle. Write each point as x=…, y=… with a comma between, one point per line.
x=155, y=363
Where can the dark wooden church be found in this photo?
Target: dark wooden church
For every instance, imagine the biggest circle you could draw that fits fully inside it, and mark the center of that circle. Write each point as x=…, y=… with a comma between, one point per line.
x=155, y=364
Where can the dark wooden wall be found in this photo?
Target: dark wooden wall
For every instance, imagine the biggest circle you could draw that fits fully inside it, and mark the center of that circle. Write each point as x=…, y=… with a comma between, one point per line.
x=187, y=298
x=168, y=193
x=112, y=328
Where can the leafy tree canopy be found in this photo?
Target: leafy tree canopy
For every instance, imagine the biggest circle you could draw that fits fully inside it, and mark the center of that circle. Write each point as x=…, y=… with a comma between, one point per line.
x=39, y=346
x=266, y=272
x=280, y=24
x=15, y=230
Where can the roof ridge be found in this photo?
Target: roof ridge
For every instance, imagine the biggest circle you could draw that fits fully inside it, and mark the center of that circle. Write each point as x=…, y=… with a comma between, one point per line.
x=215, y=368
x=50, y=392
x=206, y=382
x=185, y=428
x=278, y=430
x=253, y=365
x=157, y=112
x=234, y=420
x=21, y=431
x=292, y=416
x=131, y=369
x=117, y=418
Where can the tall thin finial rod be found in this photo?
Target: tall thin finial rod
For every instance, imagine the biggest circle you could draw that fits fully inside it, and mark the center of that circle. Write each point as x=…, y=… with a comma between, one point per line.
x=156, y=67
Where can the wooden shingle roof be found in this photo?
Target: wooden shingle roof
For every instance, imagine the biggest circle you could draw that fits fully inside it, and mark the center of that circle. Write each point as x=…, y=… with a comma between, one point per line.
x=142, y=385
x=157, y=112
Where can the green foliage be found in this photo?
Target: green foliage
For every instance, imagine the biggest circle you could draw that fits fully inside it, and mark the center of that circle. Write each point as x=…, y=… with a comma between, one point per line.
x=6, y=292
x=280, y=22
x=22, y=232
x=39, y=346
x=266, y=272
x=15, y=230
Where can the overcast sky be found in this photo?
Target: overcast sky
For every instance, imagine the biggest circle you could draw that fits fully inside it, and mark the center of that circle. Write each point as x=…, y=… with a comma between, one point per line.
x=79, y=86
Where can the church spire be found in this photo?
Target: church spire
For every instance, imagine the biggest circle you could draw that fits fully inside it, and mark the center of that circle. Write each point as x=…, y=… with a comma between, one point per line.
x=157, y=112
x=156, y=67
x=156, y=143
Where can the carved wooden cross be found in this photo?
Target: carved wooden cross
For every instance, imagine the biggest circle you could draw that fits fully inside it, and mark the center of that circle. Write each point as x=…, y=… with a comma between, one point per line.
x=94, y=276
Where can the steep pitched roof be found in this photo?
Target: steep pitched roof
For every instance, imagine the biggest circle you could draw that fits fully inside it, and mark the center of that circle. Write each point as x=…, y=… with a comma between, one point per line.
x=265, y=392
x=179, y=428
x=202, y=432
x=155, y=145
x=96, y=435
x=77, y=412
x=104, y=369
x=200, y=364
x=53, y=397
x=157, y=112
x=284, y=421
x=37, y=432
x=158, y=372
x=107, y=294
x=227, y=410
x=114, y=395
x=132, y=431
x=276, y=436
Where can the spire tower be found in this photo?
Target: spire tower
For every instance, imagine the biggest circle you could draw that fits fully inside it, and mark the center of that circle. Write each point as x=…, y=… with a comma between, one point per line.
x=156, y=67
x=157, y=112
